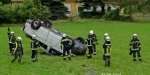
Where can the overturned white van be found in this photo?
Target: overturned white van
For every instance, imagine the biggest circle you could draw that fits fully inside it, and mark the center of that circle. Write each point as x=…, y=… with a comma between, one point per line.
x=50, y=38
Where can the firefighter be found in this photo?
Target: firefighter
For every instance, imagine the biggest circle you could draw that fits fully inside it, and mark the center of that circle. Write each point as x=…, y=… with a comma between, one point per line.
x=34, y=48
x=12, y=40
x=107, y=50
x=89, y=42
x=105, y=35
x=18, y=50
x=93, y=36
x=135, y=47
x=65, y=45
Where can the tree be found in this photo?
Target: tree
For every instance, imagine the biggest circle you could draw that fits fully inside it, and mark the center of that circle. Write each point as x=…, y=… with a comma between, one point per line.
x=57, y=8
x=5, y=1
x=123, y=3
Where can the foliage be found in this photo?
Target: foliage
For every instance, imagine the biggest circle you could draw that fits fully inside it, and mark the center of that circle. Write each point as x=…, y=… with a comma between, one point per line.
x=14, y=13
x=92, y=14
x=5, y=1
x=113, y=15
x=57, y=9
x=145, y=7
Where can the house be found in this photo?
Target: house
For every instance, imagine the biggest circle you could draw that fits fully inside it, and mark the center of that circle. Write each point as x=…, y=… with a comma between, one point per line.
x=74, y=6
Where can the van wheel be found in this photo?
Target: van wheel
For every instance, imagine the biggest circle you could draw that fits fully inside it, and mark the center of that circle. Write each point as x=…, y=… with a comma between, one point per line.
x=48, y=23
x=81, y=39
x=35, y=25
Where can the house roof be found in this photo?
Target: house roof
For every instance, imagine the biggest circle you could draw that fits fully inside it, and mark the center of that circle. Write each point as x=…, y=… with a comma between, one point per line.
x=17, y=1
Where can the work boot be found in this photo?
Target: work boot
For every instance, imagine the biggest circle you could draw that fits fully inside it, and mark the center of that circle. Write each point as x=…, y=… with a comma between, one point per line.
x=90, y=56
x=19, y=60
x=33, y=60
x=140, y=59
x=94, y=53
x=69, y=58
x=12, y=61
x=64, y=58
x=108, y=62
x=134, y=59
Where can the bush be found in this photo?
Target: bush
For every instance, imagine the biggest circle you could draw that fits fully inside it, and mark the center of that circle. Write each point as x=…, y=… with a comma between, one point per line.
x=93, y=14
x=114, y=16
x=16, y=13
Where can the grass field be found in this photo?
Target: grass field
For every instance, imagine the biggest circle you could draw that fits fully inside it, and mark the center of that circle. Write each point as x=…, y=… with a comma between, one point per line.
x=121, y=62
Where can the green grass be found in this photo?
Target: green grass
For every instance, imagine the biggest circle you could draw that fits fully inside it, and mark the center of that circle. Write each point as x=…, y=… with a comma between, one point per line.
x=121, y=63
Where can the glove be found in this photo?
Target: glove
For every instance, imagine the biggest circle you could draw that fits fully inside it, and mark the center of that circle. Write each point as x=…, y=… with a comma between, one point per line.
x=130, y=53
x=22, y=52
x=61, y=47
x=103, y=57
x=85, y=42
x=139, y=48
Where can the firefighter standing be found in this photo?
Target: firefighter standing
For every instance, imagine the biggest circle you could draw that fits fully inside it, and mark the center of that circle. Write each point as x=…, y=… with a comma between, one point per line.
x=65, y=45
x=12, y=40
x=135, y=47
x=94, y=40
x=18, y=50
x=107, y=50
x=34, y=48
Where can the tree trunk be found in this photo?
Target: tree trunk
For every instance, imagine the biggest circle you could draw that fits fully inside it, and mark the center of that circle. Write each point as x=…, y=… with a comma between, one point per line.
x=130, y=11
x=103, y=7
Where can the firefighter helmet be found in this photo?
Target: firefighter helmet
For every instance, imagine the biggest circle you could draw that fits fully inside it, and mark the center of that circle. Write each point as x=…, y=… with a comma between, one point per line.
x=19, y=38
x=33, y=36
x=106, y=34
x=107, y=38
x=12, y=32
x=64, y=35
x=134, y=34
x=91, y=32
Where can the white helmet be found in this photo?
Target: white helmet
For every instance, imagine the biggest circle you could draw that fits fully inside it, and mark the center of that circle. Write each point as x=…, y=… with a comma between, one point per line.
x=106, y=34
x=91, y=32
x=107, y=38
x=33, y=36
x=19, y=38
x=64, y=35
x=134, y=34
x=12, y=32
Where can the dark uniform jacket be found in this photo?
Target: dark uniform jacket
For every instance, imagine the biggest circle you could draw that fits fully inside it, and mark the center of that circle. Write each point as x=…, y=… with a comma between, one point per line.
x=135, y=44
x=89, y=41
x=34, y=44
x=94, y=38
x=107, y=48
x=12, y=39
x=65, y=43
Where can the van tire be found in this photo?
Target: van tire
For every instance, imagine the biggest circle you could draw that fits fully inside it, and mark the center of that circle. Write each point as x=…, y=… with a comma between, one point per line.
x=35, y=25
x=49, y=25
x=81, y=40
